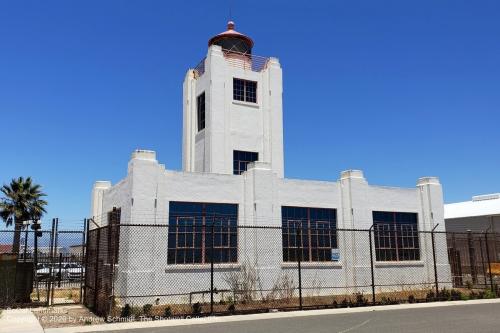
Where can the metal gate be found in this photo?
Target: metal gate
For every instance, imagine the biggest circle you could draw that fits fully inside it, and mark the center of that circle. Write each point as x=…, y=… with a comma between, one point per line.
x=47, y=269
x=102, y=256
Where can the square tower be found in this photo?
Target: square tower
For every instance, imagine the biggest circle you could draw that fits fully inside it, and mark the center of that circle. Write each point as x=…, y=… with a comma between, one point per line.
x=232, y=109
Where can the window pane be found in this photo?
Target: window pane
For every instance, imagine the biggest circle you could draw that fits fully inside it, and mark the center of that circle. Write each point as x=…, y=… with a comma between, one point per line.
x=241, y=160
x=238, y=90
x=190, y=232
x=396, y=236
x=201, y=111
x=318, y=230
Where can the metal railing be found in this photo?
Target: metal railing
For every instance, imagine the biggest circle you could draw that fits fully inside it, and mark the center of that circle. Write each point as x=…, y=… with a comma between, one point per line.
x=243, y=61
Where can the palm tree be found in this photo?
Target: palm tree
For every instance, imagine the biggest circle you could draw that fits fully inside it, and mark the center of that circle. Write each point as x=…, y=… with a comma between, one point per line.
x=22, y=202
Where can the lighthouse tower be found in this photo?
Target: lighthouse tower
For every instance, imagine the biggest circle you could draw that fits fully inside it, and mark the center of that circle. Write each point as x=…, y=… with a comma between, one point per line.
x=233, y=112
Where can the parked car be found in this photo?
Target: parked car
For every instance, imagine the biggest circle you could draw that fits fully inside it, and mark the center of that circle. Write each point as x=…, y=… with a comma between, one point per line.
x=42, y=271
x=74, y=271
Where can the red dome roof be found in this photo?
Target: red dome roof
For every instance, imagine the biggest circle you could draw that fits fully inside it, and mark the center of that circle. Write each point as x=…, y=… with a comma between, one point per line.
x=231, y=33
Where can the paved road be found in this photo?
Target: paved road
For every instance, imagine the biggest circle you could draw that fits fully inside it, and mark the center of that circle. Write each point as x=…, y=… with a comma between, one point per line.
x=459, y=318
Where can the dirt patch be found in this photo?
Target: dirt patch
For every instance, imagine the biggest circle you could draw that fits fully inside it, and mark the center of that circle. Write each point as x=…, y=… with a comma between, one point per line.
x=64, y=316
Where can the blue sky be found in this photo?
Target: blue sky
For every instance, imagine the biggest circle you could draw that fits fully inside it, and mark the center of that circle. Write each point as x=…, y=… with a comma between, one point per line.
x=399, y=89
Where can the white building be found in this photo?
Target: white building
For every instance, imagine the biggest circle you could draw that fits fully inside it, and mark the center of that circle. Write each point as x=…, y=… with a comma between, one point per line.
x=233, y=174
x=481, y=214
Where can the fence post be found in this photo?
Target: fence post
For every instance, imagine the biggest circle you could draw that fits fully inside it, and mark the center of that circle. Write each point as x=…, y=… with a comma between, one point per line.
x=482, y=261
x=299, y=259
x=212, y=269
x=60, y=270
x=472, y=257
x=51, y=246
x=488, y=258
x=56, y=243
x=371, y=264
x=83, y=260
x=434, y=260
x=96, y=276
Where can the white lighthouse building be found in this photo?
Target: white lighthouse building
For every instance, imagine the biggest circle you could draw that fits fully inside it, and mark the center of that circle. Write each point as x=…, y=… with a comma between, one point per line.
x=233, y=176
x=233, y=109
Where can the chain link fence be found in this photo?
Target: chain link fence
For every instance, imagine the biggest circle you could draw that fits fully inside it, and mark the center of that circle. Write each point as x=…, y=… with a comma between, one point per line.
x=222, y=268
x=47, y=269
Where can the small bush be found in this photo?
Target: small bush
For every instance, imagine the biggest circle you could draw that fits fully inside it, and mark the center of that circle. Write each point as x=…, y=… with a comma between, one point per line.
x=196, y=307
x=335, y=304
x=388, y=301
x=444, y=295
x=168, y=312
x=488, y=293
x=468, y=285
x=126, y=311
x=231, y=308
x=361, y=300
x=431, y=296
x=464, y=297
x=136, y=311
x=411, y=299
x=146, y=309
x=344, y=303
x=455, y=295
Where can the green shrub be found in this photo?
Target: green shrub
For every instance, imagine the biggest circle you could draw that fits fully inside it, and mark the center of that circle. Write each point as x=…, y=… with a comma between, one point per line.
x=468, y=285
x=488, y=293
x=444, y=295
x=196, y=307
x=431, y=296
x=136, y=311
x=231, y=308
x=411, y=299
x=126, y=311
x=168, y=312
x=360, y=300
x=146, y=309
x=455, y=295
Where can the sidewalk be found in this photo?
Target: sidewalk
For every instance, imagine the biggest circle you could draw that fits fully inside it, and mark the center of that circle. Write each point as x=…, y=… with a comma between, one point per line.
x=19, y=321
x=264, y=316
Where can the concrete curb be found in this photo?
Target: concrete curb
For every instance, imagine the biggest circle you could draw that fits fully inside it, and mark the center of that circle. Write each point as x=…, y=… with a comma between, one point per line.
x=19, y=321
x=263, y=316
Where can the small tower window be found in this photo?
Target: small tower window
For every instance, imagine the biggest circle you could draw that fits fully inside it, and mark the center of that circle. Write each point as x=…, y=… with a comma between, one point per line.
x=200, y=105
x=241, y=160
x=244, y=90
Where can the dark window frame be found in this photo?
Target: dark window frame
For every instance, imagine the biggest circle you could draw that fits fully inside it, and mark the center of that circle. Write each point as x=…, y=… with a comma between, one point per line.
x=241, y=159
x=200, y=111
x=191, y=243
x=396, y=236
x=316, y=241
x=245, y=90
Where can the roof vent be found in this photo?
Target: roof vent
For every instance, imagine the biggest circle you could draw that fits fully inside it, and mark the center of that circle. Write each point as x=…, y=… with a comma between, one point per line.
x=493, y=196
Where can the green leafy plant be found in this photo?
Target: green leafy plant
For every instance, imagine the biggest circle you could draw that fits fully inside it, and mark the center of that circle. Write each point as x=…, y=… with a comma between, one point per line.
x=23, y=201
x=360, y=300
x=146, y=309
x=488, y=293
x=167, y=312
x=455, y=295
x=126, y=311
x=196, y=308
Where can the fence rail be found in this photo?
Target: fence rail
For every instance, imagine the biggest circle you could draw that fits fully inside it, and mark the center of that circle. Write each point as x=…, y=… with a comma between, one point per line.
x=204, y=267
